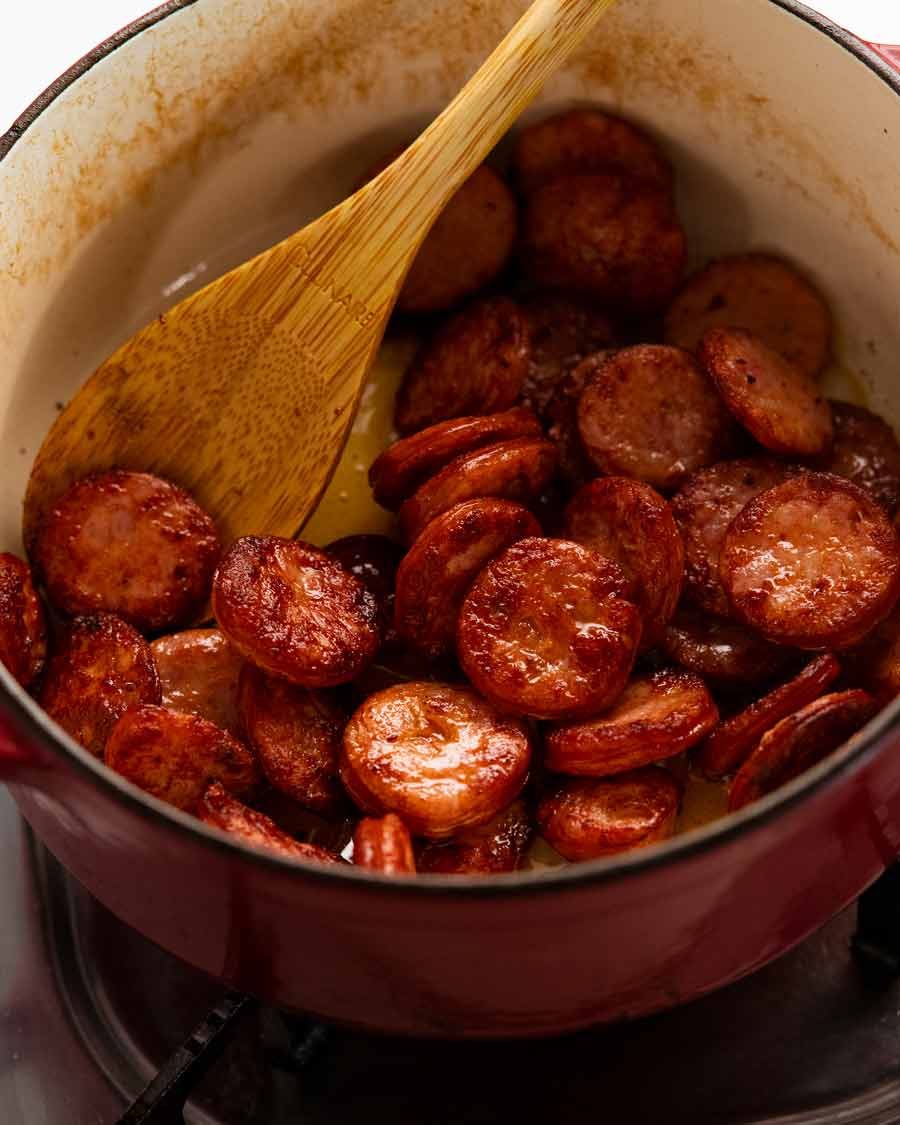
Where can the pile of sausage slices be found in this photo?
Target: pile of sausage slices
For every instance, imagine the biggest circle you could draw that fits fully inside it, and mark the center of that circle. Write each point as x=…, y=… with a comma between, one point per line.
x=633, y=540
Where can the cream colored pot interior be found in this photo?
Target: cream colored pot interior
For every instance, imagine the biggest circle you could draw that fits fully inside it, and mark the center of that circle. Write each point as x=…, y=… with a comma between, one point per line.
x=231, y=122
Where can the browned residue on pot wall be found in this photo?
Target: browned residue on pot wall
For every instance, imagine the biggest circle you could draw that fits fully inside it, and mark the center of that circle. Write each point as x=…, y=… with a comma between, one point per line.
x=297, y=60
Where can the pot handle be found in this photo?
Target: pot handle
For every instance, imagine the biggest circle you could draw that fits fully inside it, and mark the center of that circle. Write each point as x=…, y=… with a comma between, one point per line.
x=890, y=54
x=20, y=756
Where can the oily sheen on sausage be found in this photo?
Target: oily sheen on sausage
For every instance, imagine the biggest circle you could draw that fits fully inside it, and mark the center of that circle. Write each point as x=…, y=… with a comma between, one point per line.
x=294, y=611
x=813, y=562
x=630, y=522
x=131, y=544
x=587, y=818
x=442, y=563
x=437, y=755
x=101, y=666
x=175, y=756
x=23, y=628
x=546, y=630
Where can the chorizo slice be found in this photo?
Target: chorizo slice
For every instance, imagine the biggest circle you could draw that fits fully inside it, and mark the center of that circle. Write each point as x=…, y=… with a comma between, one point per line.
x=649, y=412
x=295, y=611
x=442, y=563
x=101, y=666
x=373, y=559
x=404, y=466
x=813, y=563
x=865, y=451
x=586, y=140
x=587, y=818
x=468, y=246
x=514, y=470
x=798, y=743
x=774, y=400
x=384, y=844
x=489, y=849
x=762, y=295
x=175, y=756
x=722, y=651
x=703, y=508
x=23, y=626
x=219, y=809
x=656, y=717
x=474, y=364
x=632, y=524
x=296, y=733
x=198, y=671
x=564, y=331
x=605, y=236
x=732, y=740
x=130, y=544
x=439, y=757
x=546, y=630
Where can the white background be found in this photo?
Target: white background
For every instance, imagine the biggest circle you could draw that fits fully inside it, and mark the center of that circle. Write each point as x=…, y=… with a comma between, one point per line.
x=43, y=37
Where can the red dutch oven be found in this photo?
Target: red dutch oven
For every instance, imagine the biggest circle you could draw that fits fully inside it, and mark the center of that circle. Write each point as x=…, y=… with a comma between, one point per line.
x=208, y=130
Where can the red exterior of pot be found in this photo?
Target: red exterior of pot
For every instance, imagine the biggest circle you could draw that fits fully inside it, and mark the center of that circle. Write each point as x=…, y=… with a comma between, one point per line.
x=609, y=941
x=447, y=957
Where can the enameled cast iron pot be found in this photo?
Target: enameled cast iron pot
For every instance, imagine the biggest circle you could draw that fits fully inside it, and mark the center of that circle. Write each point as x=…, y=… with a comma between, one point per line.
x=208, y=130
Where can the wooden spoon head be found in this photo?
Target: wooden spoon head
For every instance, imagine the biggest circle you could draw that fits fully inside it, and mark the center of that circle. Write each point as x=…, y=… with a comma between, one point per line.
x=243, y=393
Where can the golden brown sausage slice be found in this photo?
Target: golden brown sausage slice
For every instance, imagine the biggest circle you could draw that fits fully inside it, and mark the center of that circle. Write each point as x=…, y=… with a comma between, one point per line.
x=442, y=563
x=384, y=845
x=798, y=743
x=762, y=295
x=23, y=629
x=515, y=470
x=650, y=413
x=474, y=364
x=438, y=756
x=175, y=757
x=489, y=849
x=546, y=631
x=294, y=611
x=813, y=563
x=606, y=236
x=564, y=331
x=631, y=523
x=731, y=741
x=466, y=248
x=100, y=668
x=656, y=716
x=866, y=451
x=704, y=507
x=198, y=671
x=722, y=651
x=129, y=544
x=404, y=466
x=586, y=818
x=373, y=559
x=296, y=733
x=219, y=809
x=777, y=402
x=586, y=140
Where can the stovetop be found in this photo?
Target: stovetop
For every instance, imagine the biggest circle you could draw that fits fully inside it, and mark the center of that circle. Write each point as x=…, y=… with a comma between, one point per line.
x=90, y=1011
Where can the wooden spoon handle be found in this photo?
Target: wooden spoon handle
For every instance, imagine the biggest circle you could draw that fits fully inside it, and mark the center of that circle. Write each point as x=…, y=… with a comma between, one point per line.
x=374, y=234
x=459, y=139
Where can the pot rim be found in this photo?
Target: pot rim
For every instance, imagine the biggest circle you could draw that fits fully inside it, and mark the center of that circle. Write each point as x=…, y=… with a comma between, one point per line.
x=29, y=717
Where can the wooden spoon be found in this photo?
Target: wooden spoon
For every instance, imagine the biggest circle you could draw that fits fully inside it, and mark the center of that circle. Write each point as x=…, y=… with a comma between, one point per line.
x=244, y=392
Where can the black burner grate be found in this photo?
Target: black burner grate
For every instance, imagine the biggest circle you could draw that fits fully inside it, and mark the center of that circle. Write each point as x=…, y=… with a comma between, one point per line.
x=806, y=1041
